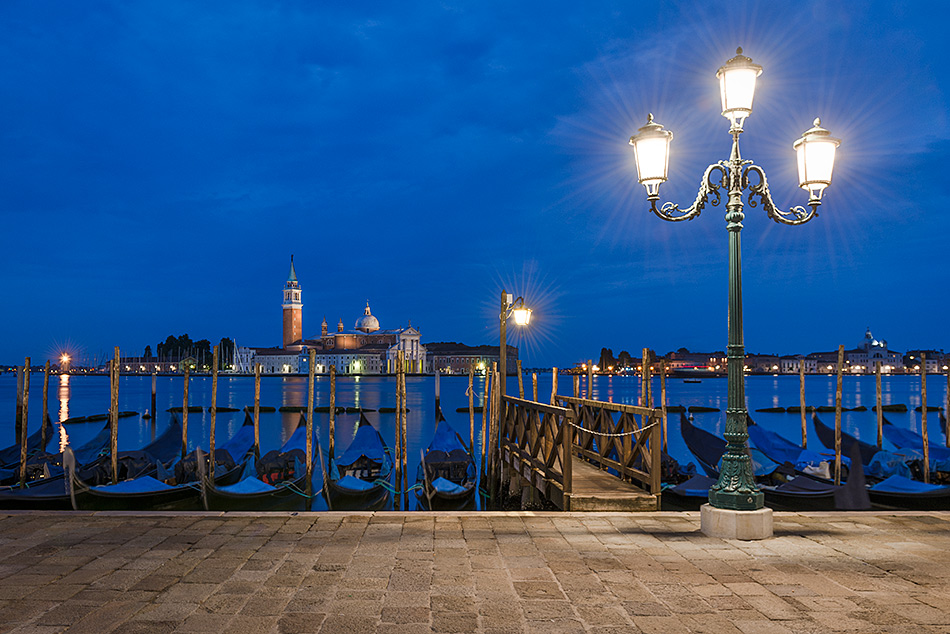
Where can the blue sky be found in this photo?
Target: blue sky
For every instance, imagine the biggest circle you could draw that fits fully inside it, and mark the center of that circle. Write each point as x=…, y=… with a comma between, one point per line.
x=161, y=161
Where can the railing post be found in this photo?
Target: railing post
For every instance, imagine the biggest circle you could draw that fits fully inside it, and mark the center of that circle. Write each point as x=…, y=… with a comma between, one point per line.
x=656, y=445
x=567, y=451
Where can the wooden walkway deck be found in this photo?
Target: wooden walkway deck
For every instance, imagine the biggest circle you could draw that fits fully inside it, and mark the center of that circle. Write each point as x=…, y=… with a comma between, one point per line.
x=597, y=490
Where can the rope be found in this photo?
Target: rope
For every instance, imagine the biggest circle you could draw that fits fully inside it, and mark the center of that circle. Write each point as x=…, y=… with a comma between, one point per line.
x=606, y=435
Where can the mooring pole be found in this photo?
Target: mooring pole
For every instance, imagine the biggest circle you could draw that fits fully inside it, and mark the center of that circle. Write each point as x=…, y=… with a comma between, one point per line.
x=311, y=369
x=399, y=373
x=486, y=396
x=332, y=424
x=257, y=411
x=663, y=400
x=25, y=414
x=520, y=379
x=153, y=414
x=801, y=401
x=114, y=418
x=553, y=386
x=880, y=412
x=45, y=407
x=923, y=415
x=471, y=412
x=838, y=416
x=184, y=416
x=214, y=409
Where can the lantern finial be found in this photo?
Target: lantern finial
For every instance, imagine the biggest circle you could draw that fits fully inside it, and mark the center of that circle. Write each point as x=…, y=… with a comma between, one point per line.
x=817, y=122
x=738, y=50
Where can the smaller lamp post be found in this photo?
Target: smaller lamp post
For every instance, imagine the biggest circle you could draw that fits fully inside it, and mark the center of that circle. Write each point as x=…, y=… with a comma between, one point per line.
x=522, y=316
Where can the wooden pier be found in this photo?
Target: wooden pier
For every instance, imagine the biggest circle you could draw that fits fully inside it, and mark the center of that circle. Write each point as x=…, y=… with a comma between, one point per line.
x=582, y=455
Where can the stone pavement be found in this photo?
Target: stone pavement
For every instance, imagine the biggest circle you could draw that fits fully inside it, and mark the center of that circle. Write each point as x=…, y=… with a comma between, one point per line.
x=470, y=572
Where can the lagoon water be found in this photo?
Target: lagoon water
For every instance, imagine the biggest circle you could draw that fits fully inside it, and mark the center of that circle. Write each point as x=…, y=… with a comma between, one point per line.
x=71, y=396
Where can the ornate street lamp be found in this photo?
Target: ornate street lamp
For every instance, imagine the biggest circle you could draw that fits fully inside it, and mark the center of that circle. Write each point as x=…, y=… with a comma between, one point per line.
x=736, y=489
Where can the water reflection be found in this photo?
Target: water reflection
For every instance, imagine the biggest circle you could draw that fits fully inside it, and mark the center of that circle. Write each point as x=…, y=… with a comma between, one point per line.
x=63, y=394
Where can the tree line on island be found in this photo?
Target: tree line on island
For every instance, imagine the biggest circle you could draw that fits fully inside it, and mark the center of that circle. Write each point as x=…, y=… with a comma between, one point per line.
x=182, y=347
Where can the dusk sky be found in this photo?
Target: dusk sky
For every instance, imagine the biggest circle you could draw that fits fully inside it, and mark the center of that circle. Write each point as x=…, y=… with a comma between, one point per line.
x=161, y=161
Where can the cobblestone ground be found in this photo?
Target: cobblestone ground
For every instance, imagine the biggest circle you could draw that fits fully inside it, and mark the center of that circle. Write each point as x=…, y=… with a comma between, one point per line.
x=486, y=572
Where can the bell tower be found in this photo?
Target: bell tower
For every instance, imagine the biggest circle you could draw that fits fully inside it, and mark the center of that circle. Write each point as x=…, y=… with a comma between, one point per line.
x=293, y=308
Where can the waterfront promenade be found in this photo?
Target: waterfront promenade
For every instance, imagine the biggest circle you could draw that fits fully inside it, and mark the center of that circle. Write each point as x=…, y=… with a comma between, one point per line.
x=470, y=572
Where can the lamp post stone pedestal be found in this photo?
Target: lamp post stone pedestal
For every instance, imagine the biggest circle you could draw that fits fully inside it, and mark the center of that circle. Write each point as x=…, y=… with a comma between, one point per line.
x=730, y=524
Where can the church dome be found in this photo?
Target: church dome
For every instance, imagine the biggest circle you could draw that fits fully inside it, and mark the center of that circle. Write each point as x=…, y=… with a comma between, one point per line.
x=367, y=323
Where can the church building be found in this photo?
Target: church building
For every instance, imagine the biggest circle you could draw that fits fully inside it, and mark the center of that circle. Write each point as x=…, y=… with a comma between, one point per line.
x=364, y=349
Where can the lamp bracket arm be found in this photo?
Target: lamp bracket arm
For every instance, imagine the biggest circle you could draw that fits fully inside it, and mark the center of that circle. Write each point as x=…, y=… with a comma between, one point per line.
x=796, y=215
x=708, y=186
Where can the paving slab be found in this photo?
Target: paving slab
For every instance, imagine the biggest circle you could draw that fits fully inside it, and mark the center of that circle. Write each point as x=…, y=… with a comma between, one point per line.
x=470, y=572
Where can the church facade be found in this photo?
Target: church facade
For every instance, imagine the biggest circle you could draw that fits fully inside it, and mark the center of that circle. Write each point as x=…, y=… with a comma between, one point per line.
x=363, y=349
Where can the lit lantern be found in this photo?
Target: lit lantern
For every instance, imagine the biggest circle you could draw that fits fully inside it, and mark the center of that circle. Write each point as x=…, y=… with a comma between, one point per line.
x=816, y=159
x=522, y=315
x=651, y=147
x=737, y=87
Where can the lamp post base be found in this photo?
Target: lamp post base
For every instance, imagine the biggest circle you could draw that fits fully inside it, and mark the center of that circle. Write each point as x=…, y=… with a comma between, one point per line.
x=729, y=524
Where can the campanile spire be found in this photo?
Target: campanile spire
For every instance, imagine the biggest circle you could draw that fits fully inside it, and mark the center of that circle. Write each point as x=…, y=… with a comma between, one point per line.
x=293, y=308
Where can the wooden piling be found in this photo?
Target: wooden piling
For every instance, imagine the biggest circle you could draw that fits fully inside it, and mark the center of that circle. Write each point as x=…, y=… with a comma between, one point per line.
x=405, y=443
x=577, y=385
x=154, y=390
x=590, y=379
x=946, y=411
x=332, y=425
x=663, y=401
x=553, y=386
x=485, y=408
x=310, y=373
x=257, y=411
x=492, y=435
x=438, y=396
x=646, y=377
x=880, y=412
x=184, y=414
x=838, y=415
x=398, y=456
x=801, y=401
x=923, y=416
x=520, y=380
x=471, y=412
x=114, y=418
x=214, y=410
x=25, y=415
x=45, y=407
x=534, y=387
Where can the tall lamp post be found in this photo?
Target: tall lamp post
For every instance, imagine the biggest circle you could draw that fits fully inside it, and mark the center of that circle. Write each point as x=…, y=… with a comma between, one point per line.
x=522, y=316
x=736, y=489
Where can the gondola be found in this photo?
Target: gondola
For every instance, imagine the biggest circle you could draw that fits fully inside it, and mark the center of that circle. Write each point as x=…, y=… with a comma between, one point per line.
x=899, y=492
x=53, y=493
x=10, y=457
x=782, y=450
x=805, y=493
x=907, y=439
x=446, y=477
x=49, y=466
x=358, y=479
x=708, y=449
x=827, y=437
x=687, y=496
x=278, y=481
x=153, y=487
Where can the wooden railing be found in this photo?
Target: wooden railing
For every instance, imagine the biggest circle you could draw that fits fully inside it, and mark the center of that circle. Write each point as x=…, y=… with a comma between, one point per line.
x=624, y=438
x=536, y=442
